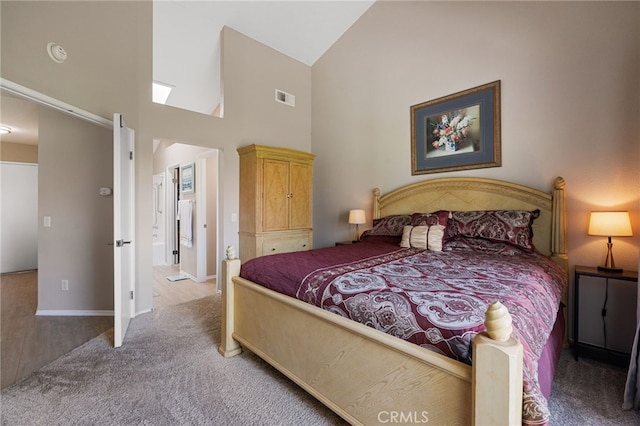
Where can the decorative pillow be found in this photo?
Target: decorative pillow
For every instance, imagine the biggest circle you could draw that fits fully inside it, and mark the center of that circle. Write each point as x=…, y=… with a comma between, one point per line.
x=508, y=226
x=441, y=217
x=480, y=245
x=380, y=239
x=423, y=237
x=390, y=225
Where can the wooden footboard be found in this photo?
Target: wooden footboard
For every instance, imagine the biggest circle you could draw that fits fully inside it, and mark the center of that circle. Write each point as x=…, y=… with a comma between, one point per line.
x=364, y=375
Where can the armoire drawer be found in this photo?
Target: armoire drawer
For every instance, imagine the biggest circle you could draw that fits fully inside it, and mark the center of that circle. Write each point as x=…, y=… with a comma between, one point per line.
x=285, y=245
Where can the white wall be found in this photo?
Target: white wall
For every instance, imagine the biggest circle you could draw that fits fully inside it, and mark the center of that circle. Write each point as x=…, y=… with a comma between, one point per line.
x=570, y=105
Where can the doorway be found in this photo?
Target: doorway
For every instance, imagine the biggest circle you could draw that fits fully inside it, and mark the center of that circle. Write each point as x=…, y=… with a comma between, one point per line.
x=180, y=264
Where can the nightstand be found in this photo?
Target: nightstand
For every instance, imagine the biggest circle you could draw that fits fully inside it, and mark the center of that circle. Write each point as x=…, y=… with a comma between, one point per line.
x=588, y=271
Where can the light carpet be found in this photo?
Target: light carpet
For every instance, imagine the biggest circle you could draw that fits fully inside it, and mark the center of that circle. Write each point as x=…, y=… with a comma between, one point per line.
x=589, y=393
x=169, y=372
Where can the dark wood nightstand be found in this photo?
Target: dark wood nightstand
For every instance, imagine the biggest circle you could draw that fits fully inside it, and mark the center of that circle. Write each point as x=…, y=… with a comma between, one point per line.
x=588, y=271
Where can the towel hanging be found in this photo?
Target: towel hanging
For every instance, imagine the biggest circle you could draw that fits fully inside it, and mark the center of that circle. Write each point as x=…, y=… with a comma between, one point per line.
x=185, y=216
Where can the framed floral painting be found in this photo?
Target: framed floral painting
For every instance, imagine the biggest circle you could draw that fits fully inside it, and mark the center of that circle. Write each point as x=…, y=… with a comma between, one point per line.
x=457, y=132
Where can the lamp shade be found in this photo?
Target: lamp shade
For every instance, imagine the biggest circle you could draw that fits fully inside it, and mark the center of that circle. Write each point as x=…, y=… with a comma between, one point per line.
x=610, y=224
x=357, y=217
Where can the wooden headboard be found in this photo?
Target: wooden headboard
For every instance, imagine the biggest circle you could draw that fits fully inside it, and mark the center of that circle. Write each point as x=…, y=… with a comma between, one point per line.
x=460, y=193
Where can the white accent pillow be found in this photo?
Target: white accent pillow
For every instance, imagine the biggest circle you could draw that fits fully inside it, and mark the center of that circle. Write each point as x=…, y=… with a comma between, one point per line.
x=424, y=237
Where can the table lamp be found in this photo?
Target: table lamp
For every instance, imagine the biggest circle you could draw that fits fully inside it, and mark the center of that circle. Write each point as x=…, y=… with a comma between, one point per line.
x=357, y=217
x=610, y=224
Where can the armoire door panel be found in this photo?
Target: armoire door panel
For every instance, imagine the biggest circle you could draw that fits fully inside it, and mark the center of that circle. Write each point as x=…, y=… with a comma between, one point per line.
x=275, y=195
x=300, y=200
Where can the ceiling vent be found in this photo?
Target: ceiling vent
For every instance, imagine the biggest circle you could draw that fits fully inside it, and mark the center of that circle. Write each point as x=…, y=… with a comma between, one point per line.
x=285, y=98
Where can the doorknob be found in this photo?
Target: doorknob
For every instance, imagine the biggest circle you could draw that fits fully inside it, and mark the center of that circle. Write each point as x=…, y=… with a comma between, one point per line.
x=120, y=243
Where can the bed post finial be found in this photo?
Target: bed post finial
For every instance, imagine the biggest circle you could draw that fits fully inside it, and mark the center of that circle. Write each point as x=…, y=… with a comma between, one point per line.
x=498, y=322
x=231, y=252
x=497, y=371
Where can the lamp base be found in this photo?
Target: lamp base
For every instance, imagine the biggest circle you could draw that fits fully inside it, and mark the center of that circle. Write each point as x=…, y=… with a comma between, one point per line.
x=609, y=263
x=609, y=269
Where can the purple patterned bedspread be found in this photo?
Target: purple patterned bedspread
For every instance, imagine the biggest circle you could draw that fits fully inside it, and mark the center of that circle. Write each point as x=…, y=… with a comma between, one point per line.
x=434, y=299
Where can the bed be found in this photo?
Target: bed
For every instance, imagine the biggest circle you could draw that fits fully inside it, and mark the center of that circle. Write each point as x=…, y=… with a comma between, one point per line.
x=366, y=374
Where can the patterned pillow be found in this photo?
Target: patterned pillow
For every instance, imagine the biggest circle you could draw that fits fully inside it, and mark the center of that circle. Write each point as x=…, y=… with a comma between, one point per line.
x=441, y=217
x=423, y=237
x=390, y=225
x=480, y=245
x=508, y=226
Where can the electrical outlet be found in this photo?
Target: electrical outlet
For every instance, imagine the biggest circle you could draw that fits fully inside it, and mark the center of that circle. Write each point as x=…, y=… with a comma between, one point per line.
x=64, y=285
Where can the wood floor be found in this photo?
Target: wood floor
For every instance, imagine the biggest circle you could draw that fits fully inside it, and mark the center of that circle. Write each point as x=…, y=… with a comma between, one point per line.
x=167, y=293
x=29, y=342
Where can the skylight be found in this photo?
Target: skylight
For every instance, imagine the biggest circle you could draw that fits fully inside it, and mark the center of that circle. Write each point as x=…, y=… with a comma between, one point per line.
x=161, y=92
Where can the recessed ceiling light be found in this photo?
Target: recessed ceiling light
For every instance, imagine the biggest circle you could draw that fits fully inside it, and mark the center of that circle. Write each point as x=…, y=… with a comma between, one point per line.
x=4, y=130
x=161, y=92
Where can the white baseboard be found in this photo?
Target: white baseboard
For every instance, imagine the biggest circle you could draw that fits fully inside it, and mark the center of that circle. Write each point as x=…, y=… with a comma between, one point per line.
x=72, y=313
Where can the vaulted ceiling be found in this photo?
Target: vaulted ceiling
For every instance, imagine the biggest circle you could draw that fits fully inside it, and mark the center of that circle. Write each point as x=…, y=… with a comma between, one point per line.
x=186, y=38
x=186, y=47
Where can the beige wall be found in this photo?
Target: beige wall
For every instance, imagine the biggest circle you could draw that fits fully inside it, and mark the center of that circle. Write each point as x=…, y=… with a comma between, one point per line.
x=109, y=69
x=73, y=166
x=570, y=107
x=18, y=152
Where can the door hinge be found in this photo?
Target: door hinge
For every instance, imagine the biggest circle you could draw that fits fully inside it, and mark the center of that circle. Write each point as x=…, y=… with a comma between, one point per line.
x=131, y=294
x=130, y=155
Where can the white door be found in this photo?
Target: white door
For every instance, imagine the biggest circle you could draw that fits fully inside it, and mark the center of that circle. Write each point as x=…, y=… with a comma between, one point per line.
x=206, y=201
x=123, y=229
x=201, y=216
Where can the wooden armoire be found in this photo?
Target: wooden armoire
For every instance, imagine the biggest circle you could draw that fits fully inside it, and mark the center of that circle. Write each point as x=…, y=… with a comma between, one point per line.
x=276, y=211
